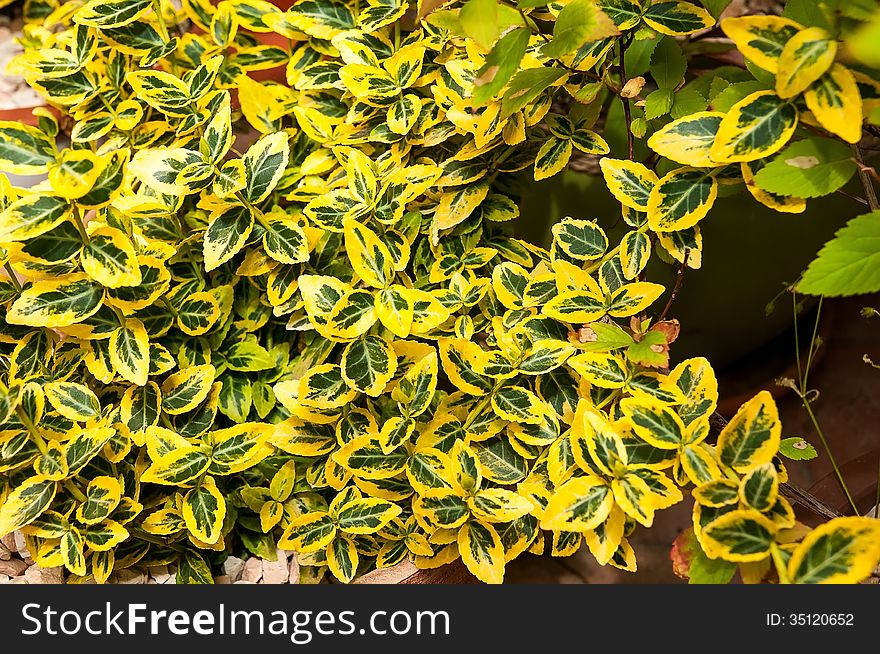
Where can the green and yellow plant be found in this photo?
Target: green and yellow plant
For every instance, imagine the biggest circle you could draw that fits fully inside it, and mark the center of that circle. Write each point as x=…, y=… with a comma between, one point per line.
x=330, y=341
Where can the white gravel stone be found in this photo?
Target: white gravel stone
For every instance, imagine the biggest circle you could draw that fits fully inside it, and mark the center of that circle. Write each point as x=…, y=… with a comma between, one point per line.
x=276, y=572
x=37, y=575
x=244, y=581
x=4, y=579
x=233, y=568
x=253, y=570
x=19, y=580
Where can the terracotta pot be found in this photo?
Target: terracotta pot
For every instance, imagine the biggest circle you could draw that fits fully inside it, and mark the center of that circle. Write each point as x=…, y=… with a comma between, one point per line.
x=22, y=115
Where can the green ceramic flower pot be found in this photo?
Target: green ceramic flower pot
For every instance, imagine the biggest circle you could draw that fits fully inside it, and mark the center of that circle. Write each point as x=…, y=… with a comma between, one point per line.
x=750, y=253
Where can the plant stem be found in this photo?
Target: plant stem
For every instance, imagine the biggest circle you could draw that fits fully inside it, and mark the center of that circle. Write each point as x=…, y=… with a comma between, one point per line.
x=627, y=114
x=163, y=28
x=797, y=342
x=528, y=25
x=13, y=279
x=76, y=219
x=39, y=441
x=675, y=289
x=779, y=563
x=813, y=346
x=801, y=390
x=870, y=194
x=73, y=490
x=831, y=458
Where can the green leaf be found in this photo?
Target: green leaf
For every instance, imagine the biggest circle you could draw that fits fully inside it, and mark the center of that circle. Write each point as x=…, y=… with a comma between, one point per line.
x=842, y=551
x=226, y=236
x=25, y=503
x=624, y=13
x=527, y=85
x=755, y=127
x=797, y=449
x=805, y=57
x=849, y=264
x=658, y=103
x=759, y=487
x=580, y=239
x=808, y=169
x=184, y=390
x=264, y=163
x=752, y=435
x=368, y=365
x=579, y=22
x=668, y=64
x=741, y=535
x=677, y=18
x=517, y=405
x=111, y=13
x=24, y=150
x=501, y=63
x=249, y=356
x=130, y=352
x=702, y=569
x=479, y=20
x=193, y=569
x=57, y=302
x=204, y=510
x=681, y=199
x=73, y=401
x=32, y=216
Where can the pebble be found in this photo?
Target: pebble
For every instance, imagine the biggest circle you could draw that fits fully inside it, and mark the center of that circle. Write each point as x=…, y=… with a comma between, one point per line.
x=160, y=574
x=19, y=580
x=4, y=579
x=294, y=570
x=129, y=576
x=13, y=567
x=276, y=572
x=5, y=553
x=243, y=581
x=233, y=568
x=37, y=575
x=21, y=547
x=253, y=570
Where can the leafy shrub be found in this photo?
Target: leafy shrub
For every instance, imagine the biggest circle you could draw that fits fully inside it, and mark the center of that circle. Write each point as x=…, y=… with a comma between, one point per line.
x=331, y=341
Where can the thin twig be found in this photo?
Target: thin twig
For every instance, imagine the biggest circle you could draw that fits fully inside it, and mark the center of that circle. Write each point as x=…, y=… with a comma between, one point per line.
x=801, y=391
x=13, y=278
x=865, y=177
x=678, y=281
x=853, y=197
x=627, y=113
